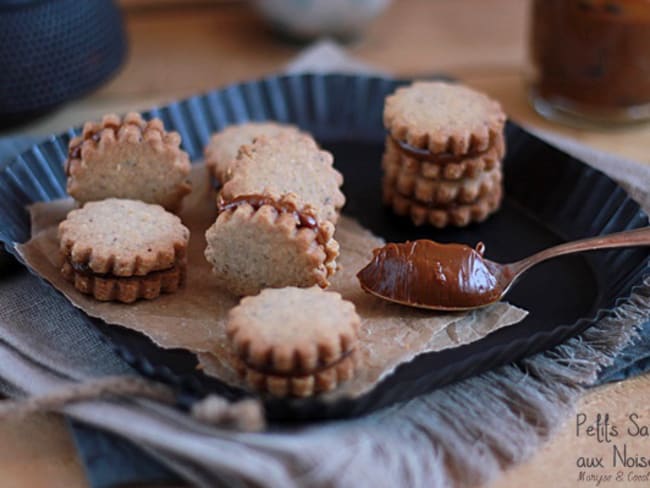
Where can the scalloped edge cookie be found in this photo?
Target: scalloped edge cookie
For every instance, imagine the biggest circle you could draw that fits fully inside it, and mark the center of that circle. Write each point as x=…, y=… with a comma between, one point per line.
x=458, y=215
x=123, y=238
x=294, y=341
x=467, y=167
x=284, y=164
x=223, y=147
x=443, y=117
x=126, y=289
x=299, y=386
x=442, y=192
x=128, y=158
x=267, y=242
x=123, y=250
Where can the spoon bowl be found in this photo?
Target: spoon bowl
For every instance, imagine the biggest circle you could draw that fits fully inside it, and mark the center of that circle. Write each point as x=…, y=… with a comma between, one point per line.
x=425, y=306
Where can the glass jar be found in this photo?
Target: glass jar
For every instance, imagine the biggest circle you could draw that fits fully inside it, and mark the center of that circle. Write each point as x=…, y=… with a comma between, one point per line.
x=590, y=60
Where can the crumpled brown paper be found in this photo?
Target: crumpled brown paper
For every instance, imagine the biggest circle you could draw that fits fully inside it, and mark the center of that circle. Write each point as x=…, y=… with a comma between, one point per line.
x=194, y=317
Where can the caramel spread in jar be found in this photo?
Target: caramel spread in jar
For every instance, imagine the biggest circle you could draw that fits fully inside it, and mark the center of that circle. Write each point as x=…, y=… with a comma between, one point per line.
x=426, y=273
x=591, y=58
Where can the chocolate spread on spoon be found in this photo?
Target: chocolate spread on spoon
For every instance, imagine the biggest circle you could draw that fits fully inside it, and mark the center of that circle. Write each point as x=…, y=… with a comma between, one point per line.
x=432, y=275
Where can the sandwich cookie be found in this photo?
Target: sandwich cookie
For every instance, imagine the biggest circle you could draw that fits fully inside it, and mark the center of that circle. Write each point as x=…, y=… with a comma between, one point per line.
x=275, y=226
x=294, y=341
x=123, y=250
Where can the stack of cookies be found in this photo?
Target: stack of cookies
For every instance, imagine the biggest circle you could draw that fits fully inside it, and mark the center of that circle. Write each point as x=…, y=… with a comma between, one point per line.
x=278, y=204
x=128, y=174
x=442, y=163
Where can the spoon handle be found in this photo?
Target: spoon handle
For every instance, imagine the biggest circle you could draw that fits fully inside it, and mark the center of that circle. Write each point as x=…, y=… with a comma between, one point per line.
x=630, y=238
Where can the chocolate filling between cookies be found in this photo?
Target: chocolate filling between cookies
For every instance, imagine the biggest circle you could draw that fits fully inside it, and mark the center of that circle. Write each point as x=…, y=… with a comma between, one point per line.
x=304, y=219
x=420, y=154
x=496, y=195
x=85, y=270
x=300, y=373
x=74, y=151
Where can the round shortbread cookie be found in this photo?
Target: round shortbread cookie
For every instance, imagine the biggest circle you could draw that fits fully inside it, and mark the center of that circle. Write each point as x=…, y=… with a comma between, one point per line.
x=442, y=192
x=128, y=158
x=222, y=150
x=122, y=238
x=299, y=386
x=443, y=118
x=125, y=289
x=294, y=340
x=459, y=168
x=458, y=215
x=288, y=163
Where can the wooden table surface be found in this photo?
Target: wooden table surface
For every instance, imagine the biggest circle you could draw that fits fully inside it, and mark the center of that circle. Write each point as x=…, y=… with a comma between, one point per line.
x=175, y=52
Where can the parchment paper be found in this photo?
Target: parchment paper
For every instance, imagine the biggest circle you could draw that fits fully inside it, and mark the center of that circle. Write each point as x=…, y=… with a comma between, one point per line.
x=194, y=317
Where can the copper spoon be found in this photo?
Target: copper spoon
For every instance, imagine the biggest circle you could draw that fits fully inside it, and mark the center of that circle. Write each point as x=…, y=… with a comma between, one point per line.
x=491, y=289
